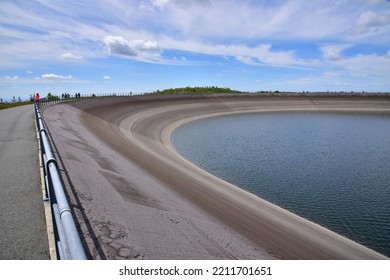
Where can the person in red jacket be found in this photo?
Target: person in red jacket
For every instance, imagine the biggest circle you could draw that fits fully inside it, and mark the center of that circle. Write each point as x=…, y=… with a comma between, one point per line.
x=37, y=98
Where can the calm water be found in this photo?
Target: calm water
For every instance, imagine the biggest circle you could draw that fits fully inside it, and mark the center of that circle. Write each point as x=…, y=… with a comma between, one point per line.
x=330, y=168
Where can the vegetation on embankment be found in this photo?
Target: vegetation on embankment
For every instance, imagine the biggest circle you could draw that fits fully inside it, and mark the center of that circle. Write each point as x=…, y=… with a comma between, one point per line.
x=14, y=104
x=196, y=90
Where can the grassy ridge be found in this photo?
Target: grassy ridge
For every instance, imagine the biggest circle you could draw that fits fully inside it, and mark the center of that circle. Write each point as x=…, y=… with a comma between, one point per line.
x=14, y=104
x=196, y=90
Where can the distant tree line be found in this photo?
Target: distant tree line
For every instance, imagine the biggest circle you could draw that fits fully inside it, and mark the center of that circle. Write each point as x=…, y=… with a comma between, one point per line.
x=13, y=103
x=196, y=90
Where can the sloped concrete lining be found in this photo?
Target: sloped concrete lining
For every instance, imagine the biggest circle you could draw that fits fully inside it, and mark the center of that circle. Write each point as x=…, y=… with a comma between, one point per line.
x=135, y=197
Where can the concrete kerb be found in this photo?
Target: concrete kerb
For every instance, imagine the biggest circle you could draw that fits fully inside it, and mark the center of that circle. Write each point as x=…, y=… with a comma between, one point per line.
x=46, y=203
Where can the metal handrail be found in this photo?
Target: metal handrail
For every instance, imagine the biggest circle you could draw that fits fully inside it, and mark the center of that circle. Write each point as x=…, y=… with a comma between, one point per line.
x=68, y=242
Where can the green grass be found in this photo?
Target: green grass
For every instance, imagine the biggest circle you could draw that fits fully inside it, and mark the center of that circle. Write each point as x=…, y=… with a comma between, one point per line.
x=196, y=90
x=13, y=104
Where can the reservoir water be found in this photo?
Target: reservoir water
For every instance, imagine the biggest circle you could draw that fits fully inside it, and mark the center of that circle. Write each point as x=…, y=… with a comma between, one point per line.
x=331, y=168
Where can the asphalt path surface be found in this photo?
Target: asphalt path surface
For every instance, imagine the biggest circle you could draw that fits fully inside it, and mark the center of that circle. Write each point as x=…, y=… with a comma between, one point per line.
x=23, y=234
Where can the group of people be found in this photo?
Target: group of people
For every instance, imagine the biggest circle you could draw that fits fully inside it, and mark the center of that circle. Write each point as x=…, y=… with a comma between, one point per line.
x=67, y=95
x=63, y=96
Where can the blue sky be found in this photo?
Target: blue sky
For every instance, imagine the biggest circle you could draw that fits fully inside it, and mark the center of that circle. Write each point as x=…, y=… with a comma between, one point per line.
x=144, y=45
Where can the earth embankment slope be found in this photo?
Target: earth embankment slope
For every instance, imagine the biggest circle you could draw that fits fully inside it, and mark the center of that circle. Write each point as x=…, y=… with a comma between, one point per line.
x=155, y=193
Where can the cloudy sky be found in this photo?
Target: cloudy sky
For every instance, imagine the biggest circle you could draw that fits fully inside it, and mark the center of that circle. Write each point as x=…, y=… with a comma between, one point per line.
x=144, y=45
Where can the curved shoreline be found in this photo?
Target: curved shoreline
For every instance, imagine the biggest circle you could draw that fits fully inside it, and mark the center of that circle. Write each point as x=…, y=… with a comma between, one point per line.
x=147, y=128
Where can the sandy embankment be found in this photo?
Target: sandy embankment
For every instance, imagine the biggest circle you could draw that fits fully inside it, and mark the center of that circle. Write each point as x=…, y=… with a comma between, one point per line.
x=136, y=197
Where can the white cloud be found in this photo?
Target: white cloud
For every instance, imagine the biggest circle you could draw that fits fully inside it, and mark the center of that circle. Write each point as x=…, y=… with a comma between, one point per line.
x=71, y=56
x=257, y=55
x=56, y=77
x=253, y=20
x=160, y=3
x=366, y=65
x=257, y=33
x=43, y=31
x=370, y=21
x=330, y=74
x=12, y=78
x=136, y=49
x=106, y=77
x=219, y=23
x=359, y=65
x=333, y=52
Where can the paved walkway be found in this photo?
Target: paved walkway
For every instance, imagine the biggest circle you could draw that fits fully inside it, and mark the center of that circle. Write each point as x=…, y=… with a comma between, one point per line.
x=23, y=233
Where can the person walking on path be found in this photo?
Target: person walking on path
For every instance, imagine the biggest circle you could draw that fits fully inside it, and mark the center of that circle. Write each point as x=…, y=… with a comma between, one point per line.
x=37, y=98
